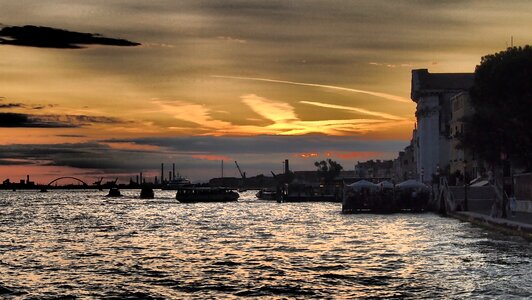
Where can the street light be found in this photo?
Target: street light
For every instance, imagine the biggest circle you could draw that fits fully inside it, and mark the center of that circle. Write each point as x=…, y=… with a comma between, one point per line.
x=466, y=208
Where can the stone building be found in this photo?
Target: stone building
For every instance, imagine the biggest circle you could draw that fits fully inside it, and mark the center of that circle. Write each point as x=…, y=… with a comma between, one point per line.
x=432, y=93
x=404, y=165
x=374, y=169
x=460, y=161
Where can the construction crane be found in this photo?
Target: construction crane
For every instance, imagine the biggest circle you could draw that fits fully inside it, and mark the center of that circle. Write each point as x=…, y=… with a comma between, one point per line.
x=98, y=182
x=243, y=174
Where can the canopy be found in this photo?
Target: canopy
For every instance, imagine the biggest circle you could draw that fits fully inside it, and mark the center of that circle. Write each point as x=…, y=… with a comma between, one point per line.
x=411, y=184
x=385, y=185
x=361, y=184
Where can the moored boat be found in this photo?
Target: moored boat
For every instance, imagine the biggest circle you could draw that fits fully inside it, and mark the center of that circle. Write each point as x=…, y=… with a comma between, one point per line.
x=205, y=194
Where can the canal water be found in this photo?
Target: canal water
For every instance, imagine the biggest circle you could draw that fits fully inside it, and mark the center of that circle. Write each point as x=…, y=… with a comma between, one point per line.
x=81, y=245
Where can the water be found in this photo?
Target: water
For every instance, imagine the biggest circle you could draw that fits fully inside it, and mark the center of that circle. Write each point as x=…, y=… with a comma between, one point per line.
x=79, y=244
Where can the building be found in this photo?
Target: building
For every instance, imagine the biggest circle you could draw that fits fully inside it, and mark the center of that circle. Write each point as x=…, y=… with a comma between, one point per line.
x=374, y=169
x=432, y=93
x=460, y=161
x=404, y=165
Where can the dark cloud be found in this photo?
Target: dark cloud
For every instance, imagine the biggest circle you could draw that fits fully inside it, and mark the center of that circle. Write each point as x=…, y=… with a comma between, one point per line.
x=83, y=156
x=8, y=162
x=11, y=105
x=14, y=120
x=266, y=144
x=47, y=37
x=256, y=154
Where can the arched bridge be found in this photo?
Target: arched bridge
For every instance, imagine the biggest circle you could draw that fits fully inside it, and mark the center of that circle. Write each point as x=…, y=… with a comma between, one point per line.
x=68, y=177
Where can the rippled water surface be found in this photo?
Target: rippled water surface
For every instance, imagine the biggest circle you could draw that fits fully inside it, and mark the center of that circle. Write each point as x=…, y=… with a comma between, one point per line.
x=79, y=244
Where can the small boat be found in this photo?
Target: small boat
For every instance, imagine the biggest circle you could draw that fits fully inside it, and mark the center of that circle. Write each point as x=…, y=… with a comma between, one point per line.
x=205, y=194
x=267, y=194
x=176, y=183
x=114, y=192
x=147, y=193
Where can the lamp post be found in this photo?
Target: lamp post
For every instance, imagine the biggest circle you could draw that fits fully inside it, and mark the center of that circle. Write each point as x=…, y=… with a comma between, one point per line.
x=438, y=176
x=466, y=208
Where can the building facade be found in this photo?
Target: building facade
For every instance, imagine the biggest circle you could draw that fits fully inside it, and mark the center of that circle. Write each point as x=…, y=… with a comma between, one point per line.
x=432, y=92
x=460, y=161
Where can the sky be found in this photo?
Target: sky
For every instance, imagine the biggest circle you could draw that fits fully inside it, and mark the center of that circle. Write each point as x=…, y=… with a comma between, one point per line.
x=113, y=88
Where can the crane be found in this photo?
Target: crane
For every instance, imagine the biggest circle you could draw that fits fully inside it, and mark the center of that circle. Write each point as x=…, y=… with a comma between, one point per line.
x=243, y=174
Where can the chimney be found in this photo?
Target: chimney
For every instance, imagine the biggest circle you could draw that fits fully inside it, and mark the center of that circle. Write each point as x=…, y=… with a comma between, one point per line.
x=286, y=166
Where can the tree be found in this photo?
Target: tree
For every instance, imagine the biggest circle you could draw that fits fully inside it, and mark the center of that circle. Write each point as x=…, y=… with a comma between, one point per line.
x=500, y=130
x=502, y=100
x=328, y=170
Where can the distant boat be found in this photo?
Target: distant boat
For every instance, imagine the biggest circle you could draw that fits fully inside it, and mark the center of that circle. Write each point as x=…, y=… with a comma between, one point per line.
x=205, y=194
x=267, y=194
x=147, y=193
x=177, y=183
x=114, y=192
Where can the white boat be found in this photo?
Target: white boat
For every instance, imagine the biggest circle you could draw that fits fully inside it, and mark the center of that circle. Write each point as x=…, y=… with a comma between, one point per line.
x=177, y=183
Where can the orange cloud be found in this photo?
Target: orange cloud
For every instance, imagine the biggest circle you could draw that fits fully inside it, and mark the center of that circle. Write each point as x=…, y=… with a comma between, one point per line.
x=354, y=154
x=340, y=154
x=307, y=155
x=282, y=115
x=210, y=157
x=133, y=146
x=270, y=109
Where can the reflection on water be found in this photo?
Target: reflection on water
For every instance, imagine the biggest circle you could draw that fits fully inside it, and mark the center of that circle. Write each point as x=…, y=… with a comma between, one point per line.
x=80, y=244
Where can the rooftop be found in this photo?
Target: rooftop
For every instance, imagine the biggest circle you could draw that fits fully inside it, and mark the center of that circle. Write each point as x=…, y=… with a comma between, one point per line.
x=423, y=81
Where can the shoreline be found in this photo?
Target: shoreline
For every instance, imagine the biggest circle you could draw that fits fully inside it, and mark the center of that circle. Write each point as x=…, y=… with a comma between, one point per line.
x=502, y=225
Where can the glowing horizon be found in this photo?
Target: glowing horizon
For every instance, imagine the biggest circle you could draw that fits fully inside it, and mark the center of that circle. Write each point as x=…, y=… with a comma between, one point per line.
x=126, y=85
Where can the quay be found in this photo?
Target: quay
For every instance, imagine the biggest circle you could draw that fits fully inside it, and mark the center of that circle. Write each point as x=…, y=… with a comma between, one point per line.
x=521, y=226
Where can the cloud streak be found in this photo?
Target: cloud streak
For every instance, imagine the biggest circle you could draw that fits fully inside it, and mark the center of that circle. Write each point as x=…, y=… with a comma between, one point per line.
x=332, y=87
x=355, y=109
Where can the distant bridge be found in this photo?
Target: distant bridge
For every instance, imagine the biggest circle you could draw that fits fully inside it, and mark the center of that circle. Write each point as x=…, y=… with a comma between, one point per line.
x=68, y=177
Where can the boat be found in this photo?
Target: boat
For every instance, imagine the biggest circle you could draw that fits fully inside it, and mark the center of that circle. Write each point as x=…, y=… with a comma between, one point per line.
x=147, y=193
x=114, y=192
x=266, y=194
x=189, y=194
x=304, y=191
x=176, y=183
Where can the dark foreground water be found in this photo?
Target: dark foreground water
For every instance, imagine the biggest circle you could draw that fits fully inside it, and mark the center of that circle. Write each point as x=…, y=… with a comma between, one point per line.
x=78, y=244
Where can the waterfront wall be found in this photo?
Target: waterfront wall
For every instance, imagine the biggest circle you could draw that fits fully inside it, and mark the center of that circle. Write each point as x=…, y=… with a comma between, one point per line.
x=523, y=186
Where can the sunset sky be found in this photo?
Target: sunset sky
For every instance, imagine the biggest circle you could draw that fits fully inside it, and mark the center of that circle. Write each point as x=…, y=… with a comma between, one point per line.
x=193, y=82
